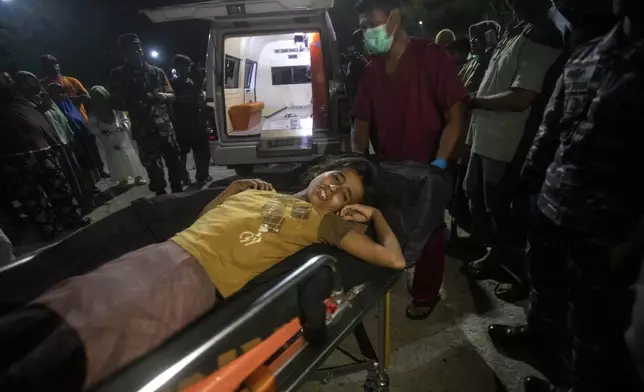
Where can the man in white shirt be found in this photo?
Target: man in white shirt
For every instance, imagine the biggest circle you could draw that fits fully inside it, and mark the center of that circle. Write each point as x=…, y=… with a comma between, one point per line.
x=502, y=105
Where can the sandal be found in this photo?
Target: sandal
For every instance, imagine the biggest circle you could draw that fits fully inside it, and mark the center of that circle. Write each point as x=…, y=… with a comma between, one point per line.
x=512, y=292
x=473, y=271
x=431, y=305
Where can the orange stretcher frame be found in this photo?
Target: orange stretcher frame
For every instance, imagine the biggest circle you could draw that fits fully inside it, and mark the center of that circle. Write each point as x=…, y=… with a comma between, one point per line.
x=250, y=370
x=232, y=376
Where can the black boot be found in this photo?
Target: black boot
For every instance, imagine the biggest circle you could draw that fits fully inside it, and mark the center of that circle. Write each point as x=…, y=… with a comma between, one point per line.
x=546, y=353
x=512, y=292
x=512, y=336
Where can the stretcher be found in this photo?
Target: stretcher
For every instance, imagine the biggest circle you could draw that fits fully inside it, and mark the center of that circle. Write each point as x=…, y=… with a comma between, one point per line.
x=266, y=337
x=229, y=356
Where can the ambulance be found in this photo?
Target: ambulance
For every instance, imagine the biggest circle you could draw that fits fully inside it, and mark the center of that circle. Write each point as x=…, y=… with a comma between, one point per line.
x=273, y=80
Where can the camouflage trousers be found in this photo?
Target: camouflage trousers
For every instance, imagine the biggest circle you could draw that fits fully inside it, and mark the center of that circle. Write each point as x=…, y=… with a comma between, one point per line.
x=580, y=307
x=154, y=149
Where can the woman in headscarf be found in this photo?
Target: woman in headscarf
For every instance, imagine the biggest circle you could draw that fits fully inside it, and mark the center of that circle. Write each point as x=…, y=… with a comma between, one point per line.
x=87, y=151
x=34, y=185
x=445, y=38
x=28, y=86
x=112, y=127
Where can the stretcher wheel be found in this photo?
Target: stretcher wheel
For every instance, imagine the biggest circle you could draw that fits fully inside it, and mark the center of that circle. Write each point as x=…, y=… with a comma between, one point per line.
x=376, y=382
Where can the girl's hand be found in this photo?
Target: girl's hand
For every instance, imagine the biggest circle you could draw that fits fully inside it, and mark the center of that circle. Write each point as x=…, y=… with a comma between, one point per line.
x=357, y=213
x=255, y=184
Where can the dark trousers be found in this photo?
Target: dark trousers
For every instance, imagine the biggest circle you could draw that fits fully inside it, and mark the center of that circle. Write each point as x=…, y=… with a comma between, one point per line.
x=430, y=265
x=428, y=274
x=576, y=299
x=197, y=141
x=459, y=206
x=154, y=149
x=489, y=201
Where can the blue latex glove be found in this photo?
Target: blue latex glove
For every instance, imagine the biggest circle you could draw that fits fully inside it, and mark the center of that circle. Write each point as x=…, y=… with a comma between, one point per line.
x=440, y=163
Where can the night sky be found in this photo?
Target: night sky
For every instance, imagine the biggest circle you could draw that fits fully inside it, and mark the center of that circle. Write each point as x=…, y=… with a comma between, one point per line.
x=82, y=34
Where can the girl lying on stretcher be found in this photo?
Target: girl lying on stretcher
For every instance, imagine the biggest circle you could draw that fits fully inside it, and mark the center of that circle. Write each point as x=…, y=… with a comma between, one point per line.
x=131, y=305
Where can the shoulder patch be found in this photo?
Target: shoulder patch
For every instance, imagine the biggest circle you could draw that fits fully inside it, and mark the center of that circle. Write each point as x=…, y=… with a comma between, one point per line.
x=584, y=49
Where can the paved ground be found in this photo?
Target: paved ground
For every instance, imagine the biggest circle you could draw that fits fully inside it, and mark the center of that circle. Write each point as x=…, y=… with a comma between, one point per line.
x=124, y=199
x=449, y=352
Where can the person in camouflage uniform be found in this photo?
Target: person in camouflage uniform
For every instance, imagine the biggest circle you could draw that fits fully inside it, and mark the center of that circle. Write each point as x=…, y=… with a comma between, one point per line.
x=145, y=93
x=587, y=229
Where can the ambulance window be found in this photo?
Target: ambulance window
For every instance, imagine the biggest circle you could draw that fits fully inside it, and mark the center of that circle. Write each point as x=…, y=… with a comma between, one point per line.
x=232, y=72
x=249, y=71
x=300, y=74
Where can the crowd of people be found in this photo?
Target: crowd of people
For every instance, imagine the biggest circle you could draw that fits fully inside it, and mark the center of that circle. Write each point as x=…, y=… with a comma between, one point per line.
x=540, y=132
x=549, y=167
x=61, y=139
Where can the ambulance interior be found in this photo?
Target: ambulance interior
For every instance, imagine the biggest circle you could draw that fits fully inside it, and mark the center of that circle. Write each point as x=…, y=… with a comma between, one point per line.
x=274, y=83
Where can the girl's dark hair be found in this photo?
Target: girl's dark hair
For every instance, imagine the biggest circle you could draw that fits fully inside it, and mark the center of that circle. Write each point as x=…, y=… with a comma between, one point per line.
x=366, y=169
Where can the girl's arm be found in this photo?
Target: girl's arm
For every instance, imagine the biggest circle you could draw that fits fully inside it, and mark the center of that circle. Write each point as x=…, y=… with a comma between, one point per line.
x=385, y=253
x=235, y=188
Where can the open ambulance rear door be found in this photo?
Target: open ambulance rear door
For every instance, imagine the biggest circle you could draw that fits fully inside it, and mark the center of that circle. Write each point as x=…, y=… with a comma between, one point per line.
x=287, y=141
